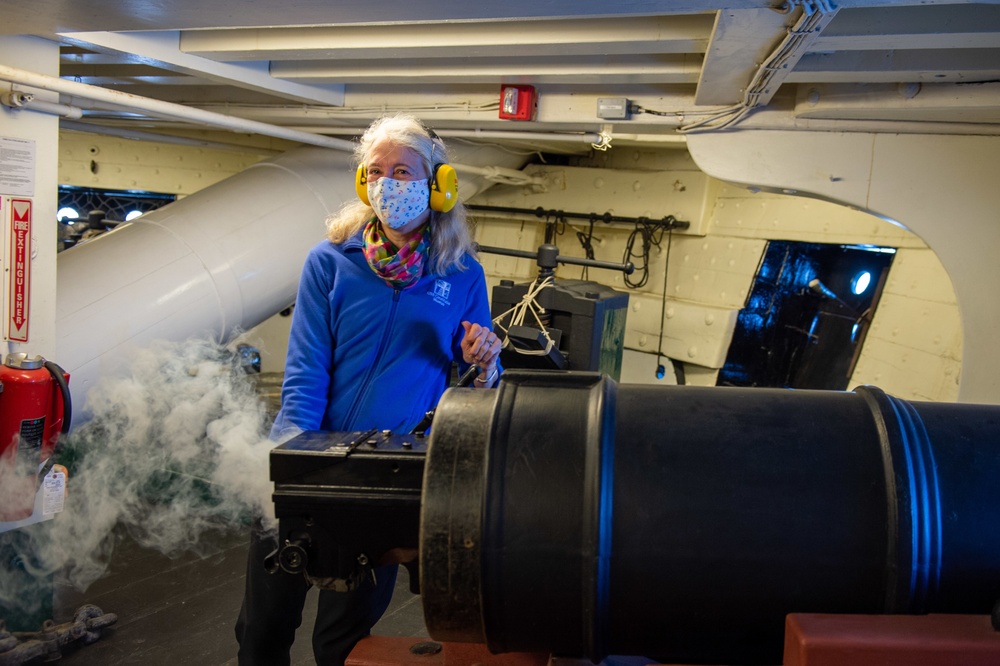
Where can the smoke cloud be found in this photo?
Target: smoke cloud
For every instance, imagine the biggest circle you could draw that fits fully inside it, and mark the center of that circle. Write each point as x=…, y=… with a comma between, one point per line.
x=176, y=452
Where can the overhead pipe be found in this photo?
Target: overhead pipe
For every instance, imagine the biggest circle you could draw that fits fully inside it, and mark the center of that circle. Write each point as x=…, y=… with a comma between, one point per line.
x=19, y=100
x=571, y=137
x=668, y=222
x=163, y=109
x=777, y=116
x=586, y=139
x=23, y=100
x=498, y=174
x=221, y=260
x=169, y=110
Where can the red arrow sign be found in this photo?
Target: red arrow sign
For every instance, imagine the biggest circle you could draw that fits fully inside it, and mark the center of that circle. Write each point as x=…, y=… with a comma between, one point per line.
x=20, y=269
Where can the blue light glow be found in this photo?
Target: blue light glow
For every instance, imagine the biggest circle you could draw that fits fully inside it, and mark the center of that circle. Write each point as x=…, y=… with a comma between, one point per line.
x=860, y=283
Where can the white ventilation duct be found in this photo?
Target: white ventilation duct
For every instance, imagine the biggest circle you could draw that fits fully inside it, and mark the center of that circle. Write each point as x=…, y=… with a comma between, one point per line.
x=216, y=263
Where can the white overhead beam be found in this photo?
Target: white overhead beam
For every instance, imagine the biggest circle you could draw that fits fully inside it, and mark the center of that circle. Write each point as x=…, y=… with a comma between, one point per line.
x=918, y=27
x=47, y=17
x=51, y=17
x=109, y=80
x=161, y=109
x=939, y=102
x=969, y=65
x=874, y=41
x=654, y=34
x=162, y=49
x=744, y=37
x=636, y=69
x=570, y=111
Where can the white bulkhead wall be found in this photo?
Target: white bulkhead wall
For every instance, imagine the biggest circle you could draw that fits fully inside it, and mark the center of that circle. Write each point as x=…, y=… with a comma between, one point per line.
x=899, y=355
x=107, y=162
x=942, y=188
x=913, y=349
x=42, y=56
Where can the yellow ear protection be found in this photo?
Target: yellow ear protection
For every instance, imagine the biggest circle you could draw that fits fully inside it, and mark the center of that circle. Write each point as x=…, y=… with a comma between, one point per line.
x=361, y=184
x=444, y=187
x=444, y=183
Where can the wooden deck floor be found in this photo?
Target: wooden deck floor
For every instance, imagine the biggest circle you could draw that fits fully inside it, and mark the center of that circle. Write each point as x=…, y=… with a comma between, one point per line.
x=182, y=611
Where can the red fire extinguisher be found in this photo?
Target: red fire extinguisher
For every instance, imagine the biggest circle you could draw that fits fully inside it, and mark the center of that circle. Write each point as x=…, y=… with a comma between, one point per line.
x=35, y=408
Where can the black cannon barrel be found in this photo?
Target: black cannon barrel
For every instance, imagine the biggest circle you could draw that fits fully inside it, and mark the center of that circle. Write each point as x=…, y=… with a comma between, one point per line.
x=568, y=514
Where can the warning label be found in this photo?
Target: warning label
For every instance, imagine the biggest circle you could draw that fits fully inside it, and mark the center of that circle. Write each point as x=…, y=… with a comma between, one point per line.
x=19, y=267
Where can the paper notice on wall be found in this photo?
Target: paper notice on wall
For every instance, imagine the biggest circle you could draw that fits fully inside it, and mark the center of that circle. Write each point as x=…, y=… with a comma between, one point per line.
x=17, y=166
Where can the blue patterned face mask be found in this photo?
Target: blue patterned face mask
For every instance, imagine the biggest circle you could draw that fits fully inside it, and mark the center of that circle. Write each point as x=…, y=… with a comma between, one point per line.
x=399, y=202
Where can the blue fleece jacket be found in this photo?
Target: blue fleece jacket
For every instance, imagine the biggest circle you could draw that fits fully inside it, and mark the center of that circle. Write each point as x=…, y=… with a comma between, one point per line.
x=362, y=354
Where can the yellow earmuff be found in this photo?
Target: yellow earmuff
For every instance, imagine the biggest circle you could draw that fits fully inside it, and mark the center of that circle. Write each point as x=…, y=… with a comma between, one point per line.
x=444, y=187
x=361, y=184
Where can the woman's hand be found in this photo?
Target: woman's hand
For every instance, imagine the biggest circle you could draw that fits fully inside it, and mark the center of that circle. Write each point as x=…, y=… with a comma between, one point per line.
x=480, y=346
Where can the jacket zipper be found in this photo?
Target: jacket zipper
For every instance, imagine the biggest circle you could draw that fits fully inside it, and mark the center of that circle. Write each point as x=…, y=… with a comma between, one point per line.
x=366, y=384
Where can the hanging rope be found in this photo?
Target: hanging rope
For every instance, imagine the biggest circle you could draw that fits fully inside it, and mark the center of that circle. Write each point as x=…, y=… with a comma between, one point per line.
x=519, y=313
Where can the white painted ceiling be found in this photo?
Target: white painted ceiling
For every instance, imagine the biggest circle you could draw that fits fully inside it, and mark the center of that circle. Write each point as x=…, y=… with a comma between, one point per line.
x=329, y=66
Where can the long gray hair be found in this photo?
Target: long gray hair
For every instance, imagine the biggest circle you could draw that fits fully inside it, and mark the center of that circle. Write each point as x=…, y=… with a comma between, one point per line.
x=451, y=237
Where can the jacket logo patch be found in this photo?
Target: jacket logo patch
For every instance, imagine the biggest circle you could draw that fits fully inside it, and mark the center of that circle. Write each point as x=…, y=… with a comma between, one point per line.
x=441, y=292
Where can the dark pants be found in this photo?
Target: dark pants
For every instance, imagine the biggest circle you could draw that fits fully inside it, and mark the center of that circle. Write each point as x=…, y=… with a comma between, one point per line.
x=272, y=611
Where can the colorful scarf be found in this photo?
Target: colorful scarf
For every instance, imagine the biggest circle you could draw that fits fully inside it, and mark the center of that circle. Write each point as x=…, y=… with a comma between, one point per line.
x=399, y=268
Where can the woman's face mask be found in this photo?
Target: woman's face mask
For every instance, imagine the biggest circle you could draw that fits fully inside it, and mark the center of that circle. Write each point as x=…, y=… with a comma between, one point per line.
x=398, y=202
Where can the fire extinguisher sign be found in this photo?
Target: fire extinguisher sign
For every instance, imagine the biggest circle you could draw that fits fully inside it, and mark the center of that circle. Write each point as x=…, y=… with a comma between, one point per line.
x=18, y=267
